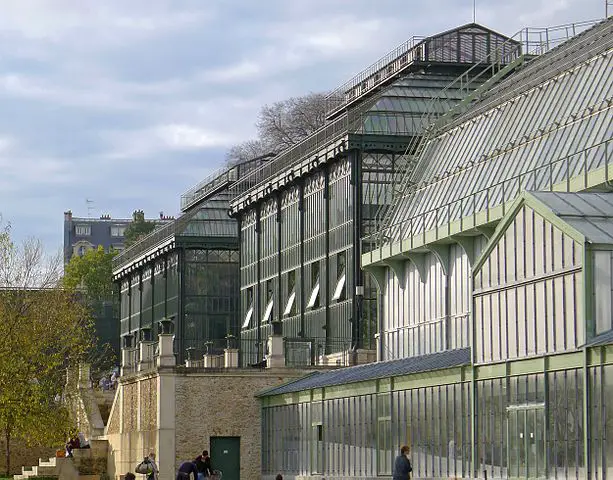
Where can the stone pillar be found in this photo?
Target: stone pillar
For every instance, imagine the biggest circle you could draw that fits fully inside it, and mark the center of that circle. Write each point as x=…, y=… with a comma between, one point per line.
x=208, y=360
x=166, y=415
x=84, y=375
x=166, y=356
x=145, y=355
x=230, y=356
x=125, y=358
x=276, y=353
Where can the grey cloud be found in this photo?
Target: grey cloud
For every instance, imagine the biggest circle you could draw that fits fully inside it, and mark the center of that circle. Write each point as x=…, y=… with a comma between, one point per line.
x=131, y=102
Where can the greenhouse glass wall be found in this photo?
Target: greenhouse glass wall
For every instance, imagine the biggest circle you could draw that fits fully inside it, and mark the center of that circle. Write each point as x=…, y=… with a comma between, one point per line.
x=494, y=266
x=187, y=272
x=303, y=213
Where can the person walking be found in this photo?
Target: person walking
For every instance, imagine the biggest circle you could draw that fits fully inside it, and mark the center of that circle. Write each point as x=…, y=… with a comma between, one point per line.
x=155, y=472
x=402, y=465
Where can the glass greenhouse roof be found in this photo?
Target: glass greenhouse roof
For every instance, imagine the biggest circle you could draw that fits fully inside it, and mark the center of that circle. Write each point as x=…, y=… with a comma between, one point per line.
x=209, y=221
x=535, y=129
x=398, y=110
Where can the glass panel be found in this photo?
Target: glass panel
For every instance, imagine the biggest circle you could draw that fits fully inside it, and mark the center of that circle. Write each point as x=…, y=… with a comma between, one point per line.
x=248, y=318
x=314, y=295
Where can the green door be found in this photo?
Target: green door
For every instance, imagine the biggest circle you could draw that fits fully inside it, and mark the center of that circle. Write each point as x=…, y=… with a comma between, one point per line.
x=225, y=456
x=526, y=441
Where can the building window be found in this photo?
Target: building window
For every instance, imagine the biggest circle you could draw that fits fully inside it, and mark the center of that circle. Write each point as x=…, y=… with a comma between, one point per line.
x=314, y=298
x=269, y=302
x=118, y=230
x=384, y=440
x=290, y=306
x=339, y=291
x=83, y=230
x=249, y=313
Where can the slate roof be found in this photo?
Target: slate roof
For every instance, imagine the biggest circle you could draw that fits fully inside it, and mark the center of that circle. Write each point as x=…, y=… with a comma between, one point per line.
x=602, y=339
x=360, y=373
x=589, y=213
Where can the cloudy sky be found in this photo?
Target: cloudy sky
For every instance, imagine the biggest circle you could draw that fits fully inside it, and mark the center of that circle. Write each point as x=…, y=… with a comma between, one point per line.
x=129, y=103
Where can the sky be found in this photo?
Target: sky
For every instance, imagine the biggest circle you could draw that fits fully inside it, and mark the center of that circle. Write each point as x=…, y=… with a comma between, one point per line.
x=127, y=104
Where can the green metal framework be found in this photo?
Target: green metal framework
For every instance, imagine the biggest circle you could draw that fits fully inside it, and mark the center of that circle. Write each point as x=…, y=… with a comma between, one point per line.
x=188, y=272
x=459, y=422
x=303, y=213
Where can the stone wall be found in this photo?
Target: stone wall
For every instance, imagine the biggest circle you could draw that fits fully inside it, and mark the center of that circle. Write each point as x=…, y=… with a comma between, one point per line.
x=223, y=405
x=175, y=411
x=22, y=455
x=132, y=426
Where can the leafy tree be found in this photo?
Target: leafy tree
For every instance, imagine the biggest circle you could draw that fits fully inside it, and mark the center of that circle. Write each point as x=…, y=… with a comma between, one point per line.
x=91, y=275
x=138, y=228
x=44, y=330
x=282, y=125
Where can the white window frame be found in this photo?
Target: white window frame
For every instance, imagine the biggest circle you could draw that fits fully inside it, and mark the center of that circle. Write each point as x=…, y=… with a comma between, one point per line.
x=79, y=229
x=268, y=311
x=248, y=316
x=120, y=231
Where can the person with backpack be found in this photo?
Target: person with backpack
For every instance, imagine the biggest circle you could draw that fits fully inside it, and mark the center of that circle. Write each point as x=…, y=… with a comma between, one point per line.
x=148, y=467
x=155, y=472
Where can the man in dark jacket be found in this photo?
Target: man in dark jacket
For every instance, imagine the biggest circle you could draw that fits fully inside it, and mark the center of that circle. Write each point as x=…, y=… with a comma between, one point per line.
x=402, y=465
x=185, y=469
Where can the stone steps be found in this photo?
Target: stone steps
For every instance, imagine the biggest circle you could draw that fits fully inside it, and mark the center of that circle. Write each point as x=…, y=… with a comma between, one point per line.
x=90, y=462
x=49, y=467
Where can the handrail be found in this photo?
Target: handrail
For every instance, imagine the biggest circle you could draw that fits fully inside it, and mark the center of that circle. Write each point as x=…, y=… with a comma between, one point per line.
x=309, y=145
x=418, y=224
x=337, y=98
x=213, y=180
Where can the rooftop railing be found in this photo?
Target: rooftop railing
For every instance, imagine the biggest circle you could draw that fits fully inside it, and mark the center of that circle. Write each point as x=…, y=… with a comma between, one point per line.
x=411, y=232
x=213, y=183
x=473, y=83
x=404, y=54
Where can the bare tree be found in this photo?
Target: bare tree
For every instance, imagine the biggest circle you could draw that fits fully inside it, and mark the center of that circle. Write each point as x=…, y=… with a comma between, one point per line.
x=282, y=125
x=246, y=151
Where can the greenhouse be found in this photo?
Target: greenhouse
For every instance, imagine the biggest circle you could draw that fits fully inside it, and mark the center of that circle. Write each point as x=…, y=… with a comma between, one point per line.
x=494, y=270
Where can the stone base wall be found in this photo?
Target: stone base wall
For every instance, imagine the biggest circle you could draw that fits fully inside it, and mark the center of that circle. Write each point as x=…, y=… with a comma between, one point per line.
x=175, y=411
x=22, y=456
x=131, y=429
x=223, y=405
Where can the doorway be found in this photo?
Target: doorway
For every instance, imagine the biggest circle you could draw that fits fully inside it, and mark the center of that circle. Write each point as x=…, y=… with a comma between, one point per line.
x=225, y=456
x=526, y=441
